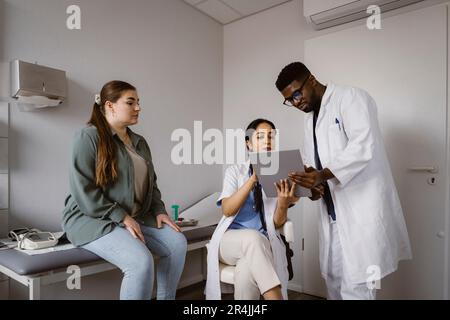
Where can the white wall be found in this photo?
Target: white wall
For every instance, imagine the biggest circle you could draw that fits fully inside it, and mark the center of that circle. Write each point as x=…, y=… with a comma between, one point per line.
x=171, y=52
x=255, y=51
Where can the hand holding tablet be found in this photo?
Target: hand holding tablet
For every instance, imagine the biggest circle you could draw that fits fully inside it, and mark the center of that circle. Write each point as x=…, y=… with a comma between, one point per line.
x=273, y=166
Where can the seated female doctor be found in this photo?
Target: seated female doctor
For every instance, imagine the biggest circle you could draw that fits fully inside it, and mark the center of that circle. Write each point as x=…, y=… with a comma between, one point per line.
x=246, y=236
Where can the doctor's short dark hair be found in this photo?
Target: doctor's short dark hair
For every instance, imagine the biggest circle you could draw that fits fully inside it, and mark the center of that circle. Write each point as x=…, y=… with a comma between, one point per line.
x=254, y=124
x=291, y=72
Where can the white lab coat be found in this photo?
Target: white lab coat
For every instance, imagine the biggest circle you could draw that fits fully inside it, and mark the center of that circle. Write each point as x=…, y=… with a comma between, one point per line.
x=369, y=216
x=235, y=178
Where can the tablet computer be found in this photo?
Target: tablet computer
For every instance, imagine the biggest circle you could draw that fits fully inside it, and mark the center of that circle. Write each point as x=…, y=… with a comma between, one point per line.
x=273, y=166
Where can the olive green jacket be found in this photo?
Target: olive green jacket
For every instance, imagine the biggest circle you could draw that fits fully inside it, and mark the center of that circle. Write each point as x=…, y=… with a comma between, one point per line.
x=90, y=211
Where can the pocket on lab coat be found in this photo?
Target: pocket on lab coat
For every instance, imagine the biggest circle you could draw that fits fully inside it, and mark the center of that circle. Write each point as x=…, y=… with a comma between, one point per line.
x=337, y=140
x=364, y=201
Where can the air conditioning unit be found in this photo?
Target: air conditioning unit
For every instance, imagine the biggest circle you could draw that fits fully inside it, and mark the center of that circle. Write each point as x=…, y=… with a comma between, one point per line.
x=329, y=13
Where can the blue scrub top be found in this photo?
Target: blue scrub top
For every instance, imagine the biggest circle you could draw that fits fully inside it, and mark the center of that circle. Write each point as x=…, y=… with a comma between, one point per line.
x=247, y=217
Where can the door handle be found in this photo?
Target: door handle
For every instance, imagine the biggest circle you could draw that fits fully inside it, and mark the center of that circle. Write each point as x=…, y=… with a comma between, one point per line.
x=424, y=169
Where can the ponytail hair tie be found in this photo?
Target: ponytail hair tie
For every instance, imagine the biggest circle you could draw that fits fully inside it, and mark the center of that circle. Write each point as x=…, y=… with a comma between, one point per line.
x=98, y=99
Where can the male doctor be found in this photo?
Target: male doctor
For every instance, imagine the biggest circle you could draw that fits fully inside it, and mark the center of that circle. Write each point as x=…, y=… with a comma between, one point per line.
x=362, y=232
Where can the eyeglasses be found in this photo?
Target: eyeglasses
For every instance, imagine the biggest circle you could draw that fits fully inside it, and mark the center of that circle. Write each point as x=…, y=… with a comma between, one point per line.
x=297, y=95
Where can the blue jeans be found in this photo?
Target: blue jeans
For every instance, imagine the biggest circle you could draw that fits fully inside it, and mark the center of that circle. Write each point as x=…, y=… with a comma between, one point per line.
x=135, y=259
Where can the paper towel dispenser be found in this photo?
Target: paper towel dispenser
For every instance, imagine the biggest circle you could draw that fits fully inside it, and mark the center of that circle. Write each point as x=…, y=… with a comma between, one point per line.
x=37, y=85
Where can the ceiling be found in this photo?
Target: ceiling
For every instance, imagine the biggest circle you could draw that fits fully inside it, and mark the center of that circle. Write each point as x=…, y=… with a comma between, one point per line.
x=226, y=11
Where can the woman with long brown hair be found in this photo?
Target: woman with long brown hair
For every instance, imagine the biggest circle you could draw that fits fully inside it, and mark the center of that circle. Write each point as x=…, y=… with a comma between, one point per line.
x=246, y=236
x=114, y=208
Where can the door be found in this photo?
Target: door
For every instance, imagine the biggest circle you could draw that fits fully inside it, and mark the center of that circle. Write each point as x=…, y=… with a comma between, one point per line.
x=404, y=67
